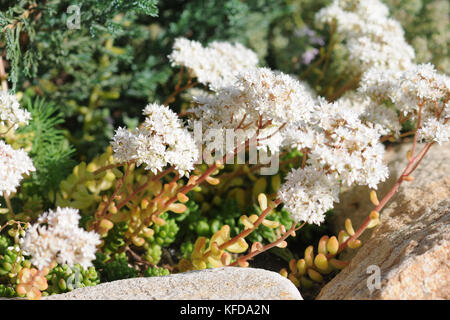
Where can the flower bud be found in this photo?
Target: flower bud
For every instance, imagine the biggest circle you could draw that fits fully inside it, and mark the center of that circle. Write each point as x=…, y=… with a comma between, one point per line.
x=282, y=244
x=243, y=263
x=138, y=241
x=158, y=221
x=256, y=246
x=144, y=204
x=225, y=258
x=270, y=224
x=238, y=247
x=373, y=223
x=246, y=222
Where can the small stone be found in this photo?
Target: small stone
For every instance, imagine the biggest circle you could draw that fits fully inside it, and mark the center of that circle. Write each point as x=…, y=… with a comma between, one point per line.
x=227, y=283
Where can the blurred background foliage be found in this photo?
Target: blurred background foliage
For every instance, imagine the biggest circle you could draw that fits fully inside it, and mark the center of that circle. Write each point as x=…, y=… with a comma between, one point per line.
x=80, y=84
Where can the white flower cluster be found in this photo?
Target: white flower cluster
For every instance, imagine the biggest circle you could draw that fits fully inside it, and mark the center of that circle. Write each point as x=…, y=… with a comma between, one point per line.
x=261, y=104
x=346, y=147
x=434, y=130
x=276, y=95
x=342, y=145
x=10, y=110
x=308, y=193
x=56, y=236
x=340, y=140
x=372, y=38
x=161, y=141
x=14, y=164
x=383, y=118
x=341, y=149
x=215, y=65
x=419, y=87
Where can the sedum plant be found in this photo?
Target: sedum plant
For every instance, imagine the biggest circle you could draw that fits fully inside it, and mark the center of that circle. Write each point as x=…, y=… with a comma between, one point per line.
x=253, y=155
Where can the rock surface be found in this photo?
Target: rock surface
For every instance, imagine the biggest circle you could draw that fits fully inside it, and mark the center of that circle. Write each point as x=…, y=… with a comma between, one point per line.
x=227, y=283
x=411, y=246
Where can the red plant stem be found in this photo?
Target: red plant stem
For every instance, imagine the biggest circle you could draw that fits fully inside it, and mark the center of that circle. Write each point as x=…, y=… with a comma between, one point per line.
x=385, y=138
x=273, y=133
x=180, y=78
x=246, y=232
x=241, y=123
x=111, y=199
x=266, y=247
x=427, y=147
x=144, y=186
x=347, y=86
x=110, y=166
x=413, y=150
x=408, y=170
x=185, y=189
x=304, y=158
x=190, y=84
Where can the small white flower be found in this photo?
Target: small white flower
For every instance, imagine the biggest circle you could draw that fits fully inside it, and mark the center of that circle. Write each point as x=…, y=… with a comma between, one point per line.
x=262, y=103
x=124, y=145
x=384, y=119
x=276, y=95
x=163, y=140
x=56, y=236
x=10, y=110
x=215, y=65
x=372, y=38
x=14, y=164
x=308, y=193
x=434, y=130
x=350, y=149
x=417, y=89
